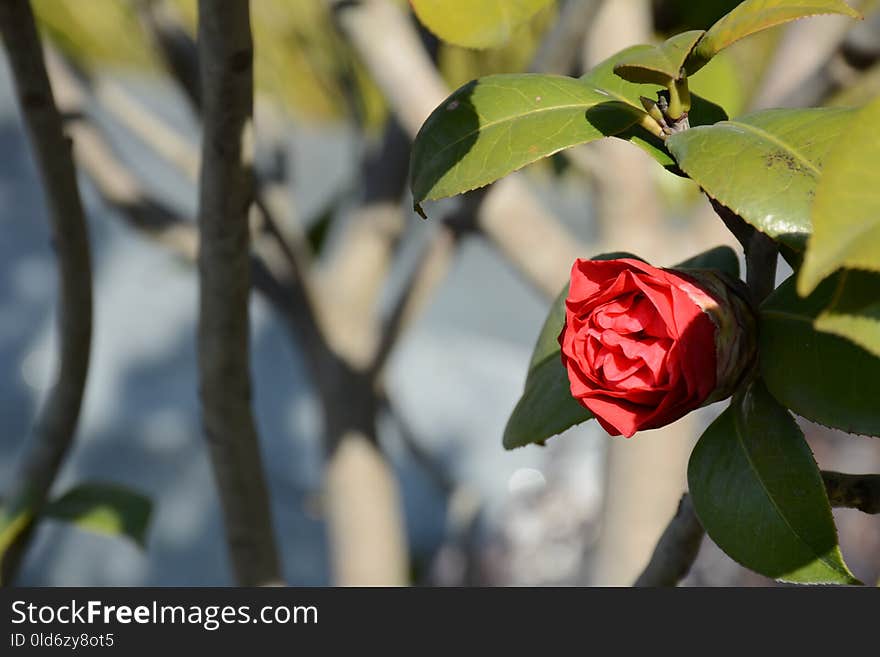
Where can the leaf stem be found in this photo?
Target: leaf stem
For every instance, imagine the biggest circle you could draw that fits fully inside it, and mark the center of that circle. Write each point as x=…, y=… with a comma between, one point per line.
x=679, y=98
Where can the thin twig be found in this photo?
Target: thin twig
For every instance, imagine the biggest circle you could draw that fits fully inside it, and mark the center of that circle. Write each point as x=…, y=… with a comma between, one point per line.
x=56, y=423
x=225, y=194
x=430, y=464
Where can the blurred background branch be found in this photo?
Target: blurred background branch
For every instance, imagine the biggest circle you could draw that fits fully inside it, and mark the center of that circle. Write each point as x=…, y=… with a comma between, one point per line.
x=56, y=424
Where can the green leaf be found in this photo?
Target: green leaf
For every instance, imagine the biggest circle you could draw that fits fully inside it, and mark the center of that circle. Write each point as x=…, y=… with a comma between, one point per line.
x=854, y=312
x=846, y=209
x=759, y=494
x=547, y=344
x=719, y=257
x=476, y=23
x=823, y=377
x=764, y=166
x=755, y=15
x=104, y=509
x=495, y=125
x=658, y=64
x=546, y=407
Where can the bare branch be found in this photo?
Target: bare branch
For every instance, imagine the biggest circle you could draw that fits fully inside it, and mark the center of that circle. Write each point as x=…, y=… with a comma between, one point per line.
x=118, y=186
x=56, y=423
x=281, y=254
x=853, y=491
x=149, y=129
x=676, y=550
x=432, y=467
x=225, y=195
x=356, y=271
x=178, y=50
x=364, y=515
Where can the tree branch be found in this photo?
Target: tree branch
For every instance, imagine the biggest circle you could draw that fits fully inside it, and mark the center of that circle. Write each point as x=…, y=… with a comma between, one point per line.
x=358, y=268
x=56, y=423
x=677, y=548
x=278, y=267
x=852, y=491
x=55, y=426
x=174, y=44
x=225, y=195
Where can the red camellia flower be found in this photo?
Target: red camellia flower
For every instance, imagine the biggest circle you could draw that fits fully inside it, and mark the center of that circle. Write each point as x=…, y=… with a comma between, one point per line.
x=644, y=346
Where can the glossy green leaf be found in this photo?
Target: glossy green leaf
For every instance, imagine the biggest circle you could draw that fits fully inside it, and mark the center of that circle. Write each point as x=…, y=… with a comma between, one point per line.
x=476, y=23
x=658, y=64
x=846, y=209
x=722, y=257
x=764, y=166
x=821, y=376
x=755, y=15
x=546, y=407
x=104, y=509
x=759, y=494
x=854, y=312
x=495, y=125
x=547, y=344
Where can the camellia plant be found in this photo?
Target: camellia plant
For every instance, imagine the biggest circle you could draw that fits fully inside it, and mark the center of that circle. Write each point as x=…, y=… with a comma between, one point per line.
x=636, y=346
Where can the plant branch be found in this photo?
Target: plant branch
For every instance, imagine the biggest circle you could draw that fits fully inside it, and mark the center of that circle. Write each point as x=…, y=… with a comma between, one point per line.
x=56, y=423
x=760, y=250
x=677, y=548
x=853, y=491
x=225, y=194
x=177, y=49
x=279, y=269
x=357, y=269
